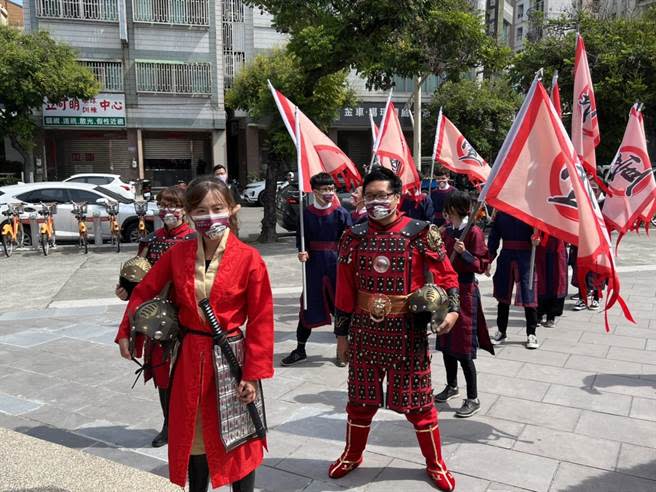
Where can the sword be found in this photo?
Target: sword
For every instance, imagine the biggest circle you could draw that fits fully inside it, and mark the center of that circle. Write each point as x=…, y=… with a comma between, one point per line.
x=221, y=340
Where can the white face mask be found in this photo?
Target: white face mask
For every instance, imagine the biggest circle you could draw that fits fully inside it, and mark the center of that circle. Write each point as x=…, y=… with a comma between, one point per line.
x=171, y=220
x=223, y=177
x=212, y=226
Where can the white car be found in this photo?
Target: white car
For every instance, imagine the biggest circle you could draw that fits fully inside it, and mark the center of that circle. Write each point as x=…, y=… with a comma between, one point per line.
x=254, y=192
x=112, y=182
x=66, y=227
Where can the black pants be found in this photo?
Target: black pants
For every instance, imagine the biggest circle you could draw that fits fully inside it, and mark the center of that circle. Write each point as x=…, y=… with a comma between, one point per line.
x=302, y=334
x=551, y=308
x=468, y=368
x=531, y=314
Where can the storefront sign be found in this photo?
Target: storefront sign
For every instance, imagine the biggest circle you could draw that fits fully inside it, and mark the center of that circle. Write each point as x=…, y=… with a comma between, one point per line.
x=104, y=110
x=359, y=115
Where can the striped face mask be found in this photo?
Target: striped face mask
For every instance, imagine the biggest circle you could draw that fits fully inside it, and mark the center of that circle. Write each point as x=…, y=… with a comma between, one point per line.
x=212, y=226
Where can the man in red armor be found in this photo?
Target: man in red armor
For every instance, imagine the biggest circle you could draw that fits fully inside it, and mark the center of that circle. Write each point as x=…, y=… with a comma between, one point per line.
x=381, y=262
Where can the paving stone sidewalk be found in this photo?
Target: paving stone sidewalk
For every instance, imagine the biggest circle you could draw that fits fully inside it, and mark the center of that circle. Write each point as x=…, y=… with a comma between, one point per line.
x=579, y=414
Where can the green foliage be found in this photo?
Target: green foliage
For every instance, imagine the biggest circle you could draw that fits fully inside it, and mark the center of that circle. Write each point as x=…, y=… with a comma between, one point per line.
x=482, y=110
x=251, y=93
x=384, y=38
x=622, y=57
x=34, y=67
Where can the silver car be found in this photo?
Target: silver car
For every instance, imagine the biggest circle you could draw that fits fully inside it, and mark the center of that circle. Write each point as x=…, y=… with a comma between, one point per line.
x=61, y=193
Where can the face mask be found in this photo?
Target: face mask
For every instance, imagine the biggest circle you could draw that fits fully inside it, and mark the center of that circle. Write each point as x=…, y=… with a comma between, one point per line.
x=223, y=177
x=328, y=197
x=212, y=226
x=379, y=209
x=170, y=216
x=442, y=184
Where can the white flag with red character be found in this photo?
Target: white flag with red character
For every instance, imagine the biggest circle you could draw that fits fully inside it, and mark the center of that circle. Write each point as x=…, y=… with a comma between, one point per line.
x=393, y=152
x=585, y=124
x=454, y=152
x=631, y=184
x=318, y=152
x=538, y=178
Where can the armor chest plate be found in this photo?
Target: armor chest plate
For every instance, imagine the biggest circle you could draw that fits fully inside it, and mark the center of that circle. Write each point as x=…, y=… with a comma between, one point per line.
x=158, y=246
x=383, y=263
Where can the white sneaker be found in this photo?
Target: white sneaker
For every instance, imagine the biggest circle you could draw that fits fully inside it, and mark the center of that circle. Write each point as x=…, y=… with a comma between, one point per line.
x=498, y=338
x=594, y=305
x=580, y=305
x=532, y=342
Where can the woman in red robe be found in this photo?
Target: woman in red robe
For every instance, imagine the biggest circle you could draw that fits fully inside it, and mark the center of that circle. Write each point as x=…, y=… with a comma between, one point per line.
x=234, y=277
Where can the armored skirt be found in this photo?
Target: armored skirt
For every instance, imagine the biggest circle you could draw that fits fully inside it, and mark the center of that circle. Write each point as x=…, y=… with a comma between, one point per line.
x=237, y=285
x=470, y=331
x=551, y=268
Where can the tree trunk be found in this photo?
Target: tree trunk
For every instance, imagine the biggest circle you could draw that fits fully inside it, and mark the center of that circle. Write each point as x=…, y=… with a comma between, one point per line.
x=28, y=169
x=268, y=234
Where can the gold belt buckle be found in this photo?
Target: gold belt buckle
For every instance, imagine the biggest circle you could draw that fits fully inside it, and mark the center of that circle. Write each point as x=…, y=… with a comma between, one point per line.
x=379, y=306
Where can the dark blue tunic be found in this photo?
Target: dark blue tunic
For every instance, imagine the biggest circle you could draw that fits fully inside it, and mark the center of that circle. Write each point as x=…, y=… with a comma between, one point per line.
x=438, y=197
x=419, y=207
x=323, y=229
x=514, y=262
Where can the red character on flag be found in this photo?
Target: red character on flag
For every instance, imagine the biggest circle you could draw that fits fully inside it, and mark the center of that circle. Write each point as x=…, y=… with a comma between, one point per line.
x=537, y=150
x=454, y=152
x=585, y=124
x=631, y=184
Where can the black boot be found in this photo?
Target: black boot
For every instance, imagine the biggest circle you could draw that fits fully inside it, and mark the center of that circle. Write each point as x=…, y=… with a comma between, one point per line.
x=163, y=437
x=246, y=484
x=199, y=473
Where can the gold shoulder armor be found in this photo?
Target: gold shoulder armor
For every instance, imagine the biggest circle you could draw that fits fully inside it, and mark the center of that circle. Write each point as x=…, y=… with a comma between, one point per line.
x=434, y=239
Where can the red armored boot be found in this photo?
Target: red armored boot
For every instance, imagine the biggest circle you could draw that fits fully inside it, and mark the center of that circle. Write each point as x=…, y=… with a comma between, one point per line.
x=357, y=431
x=428, y=435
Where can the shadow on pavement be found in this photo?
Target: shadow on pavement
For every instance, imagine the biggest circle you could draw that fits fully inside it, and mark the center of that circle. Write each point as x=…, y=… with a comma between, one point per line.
x=591, y=383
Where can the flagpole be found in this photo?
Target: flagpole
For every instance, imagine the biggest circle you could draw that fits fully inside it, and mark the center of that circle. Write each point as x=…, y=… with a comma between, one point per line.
x=381, y=129
x=301, y=182
x=437, y=136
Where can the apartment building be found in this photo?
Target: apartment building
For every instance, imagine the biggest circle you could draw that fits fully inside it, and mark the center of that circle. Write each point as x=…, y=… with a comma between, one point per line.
x=160, y=112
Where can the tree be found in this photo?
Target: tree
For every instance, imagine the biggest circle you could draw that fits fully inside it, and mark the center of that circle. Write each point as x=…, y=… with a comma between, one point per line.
x=483, y=111
x=251, y=93
x=622, y=57
x=384, y=38
x=34, y=67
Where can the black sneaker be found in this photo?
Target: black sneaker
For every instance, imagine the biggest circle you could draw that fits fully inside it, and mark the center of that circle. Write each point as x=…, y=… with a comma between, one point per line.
x=294, y=358
x=468, y=408
x=447, y=394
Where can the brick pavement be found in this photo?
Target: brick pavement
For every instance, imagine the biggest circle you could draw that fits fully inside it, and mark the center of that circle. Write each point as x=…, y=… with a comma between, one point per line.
x=579, y=414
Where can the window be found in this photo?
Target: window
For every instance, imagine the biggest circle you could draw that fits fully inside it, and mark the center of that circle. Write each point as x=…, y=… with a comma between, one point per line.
x=78, y=196
x=174, y=78
x=98, y=10
x=45, y=195
x=234, y=56
x=520, y=34
x=185, y=12
x=99, y=180
x=520, y=11
x=108, y=73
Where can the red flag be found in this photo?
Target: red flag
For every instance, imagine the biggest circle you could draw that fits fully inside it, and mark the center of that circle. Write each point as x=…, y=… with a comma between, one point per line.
x=585, y=125
x=318, y=152
x=631, y=184
x=391, y=144
x=538, y=178
x=555, y=95
x=453, y=151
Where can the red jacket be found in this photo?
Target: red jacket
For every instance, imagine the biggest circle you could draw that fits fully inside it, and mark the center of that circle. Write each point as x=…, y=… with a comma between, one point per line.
x=241, y=293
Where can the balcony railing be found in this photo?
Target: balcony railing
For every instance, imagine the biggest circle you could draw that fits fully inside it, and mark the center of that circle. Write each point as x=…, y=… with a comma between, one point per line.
x=174, y=78
x=182, y=12
x=93, y=10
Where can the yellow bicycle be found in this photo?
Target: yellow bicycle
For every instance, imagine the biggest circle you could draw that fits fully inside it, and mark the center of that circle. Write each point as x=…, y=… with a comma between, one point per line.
x=80, y=212
x=114, y=227
x=47, y=227
x=13, y=235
